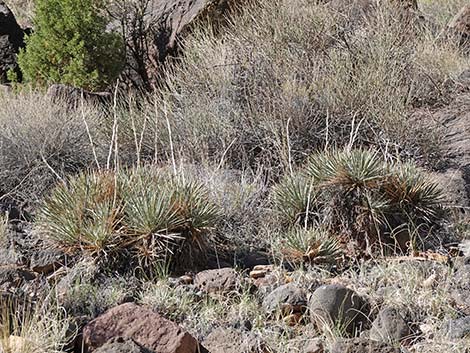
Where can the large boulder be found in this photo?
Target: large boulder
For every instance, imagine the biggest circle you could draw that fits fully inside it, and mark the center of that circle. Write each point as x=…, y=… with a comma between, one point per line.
x=147, y=328
x=459, y=27
x=11, y=40
x=337, y=306
x=121, y=345
x=457, y=329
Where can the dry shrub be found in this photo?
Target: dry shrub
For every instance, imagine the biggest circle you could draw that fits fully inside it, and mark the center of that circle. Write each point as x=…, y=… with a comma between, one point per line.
x=40, y=142
x=291, y=76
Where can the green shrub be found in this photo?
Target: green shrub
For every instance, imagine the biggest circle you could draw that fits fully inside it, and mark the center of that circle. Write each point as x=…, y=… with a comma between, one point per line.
x=71, y=45
x=359, y=196
x=146, y=211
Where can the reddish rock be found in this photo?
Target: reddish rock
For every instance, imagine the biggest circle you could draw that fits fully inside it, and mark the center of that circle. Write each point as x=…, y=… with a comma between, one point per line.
x=140, y=324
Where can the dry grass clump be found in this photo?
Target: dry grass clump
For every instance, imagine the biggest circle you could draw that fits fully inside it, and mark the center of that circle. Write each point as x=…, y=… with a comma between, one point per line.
x=358, y=196
x=146, y=211
x=27, y=328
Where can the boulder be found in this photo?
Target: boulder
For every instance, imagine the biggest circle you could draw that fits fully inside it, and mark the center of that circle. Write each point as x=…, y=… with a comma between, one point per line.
x=337, y=305
x=121, y=345
x=145, y=327
x=155, y=36
x=361, y=345
x=229, y=340
x=389, y=327
x=219, y=281
x=286, y=300
x=457, y=329
x=11, y=40
x=459, y=27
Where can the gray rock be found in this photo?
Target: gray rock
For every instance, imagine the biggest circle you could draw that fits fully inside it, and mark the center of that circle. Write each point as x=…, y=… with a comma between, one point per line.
x=337, y=305
x=361, y=345
x=229, y=340
x=219, y=281
x=458, y=329
x=389, y=327
x=286, y=299
x=121, y=345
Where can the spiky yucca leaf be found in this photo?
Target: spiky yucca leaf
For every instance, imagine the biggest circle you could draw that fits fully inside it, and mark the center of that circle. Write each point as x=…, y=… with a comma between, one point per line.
x=309, y=246
x=411, y=191
x=83, y=213
x=294, y=198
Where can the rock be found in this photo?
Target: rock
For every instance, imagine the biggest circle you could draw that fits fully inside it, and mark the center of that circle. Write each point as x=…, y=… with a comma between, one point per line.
x=46, y=260
x=219, y=281
x=170, y=21
x=361, y=345
x=121, y=345
x=260, y=271
x=255, y=259
x=389, y=327
x=11, y=40
x=286, y=299
x=460, y=291
x=229, y=340
x=145, y=327
x=453, y=182
x=335, y=304
x=73, y=96
x=457, y=329
x=314, y=345
x=459, y=27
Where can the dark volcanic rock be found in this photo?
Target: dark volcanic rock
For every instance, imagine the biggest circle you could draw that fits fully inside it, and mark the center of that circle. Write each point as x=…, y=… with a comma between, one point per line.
x=11, y=40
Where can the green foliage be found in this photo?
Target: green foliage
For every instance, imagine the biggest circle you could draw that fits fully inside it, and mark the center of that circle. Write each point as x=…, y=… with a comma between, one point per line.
x=147, y=211
x=70, y=45
x=359, y=195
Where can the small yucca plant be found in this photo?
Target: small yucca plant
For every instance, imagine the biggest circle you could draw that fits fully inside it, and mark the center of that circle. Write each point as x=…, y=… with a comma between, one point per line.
x=145, y=210
x=357, y=194
x=313, y=246
x=84, y=213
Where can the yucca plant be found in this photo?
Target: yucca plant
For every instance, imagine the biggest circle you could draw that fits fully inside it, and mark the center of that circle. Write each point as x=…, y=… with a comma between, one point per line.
x=84, y=213
x=313, y=246
x=145, y=210
x=360, y=196
x=294, y=199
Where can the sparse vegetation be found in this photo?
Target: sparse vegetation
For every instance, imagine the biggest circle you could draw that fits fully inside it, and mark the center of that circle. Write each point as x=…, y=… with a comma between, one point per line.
x=296, y=141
